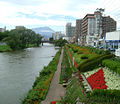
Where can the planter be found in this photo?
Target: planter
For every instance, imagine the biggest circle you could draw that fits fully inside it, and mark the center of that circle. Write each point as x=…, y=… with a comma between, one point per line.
x=64, y=84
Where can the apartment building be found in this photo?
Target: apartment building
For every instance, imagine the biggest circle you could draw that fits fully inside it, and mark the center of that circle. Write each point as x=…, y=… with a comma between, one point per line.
x=70, y=30
x=78, y=30
x=94, y=26
x=57, y=35
x=90, y=29
x=108, y=25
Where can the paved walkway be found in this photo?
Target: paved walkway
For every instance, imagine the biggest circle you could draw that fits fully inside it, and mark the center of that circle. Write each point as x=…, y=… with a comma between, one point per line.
x=56, y=90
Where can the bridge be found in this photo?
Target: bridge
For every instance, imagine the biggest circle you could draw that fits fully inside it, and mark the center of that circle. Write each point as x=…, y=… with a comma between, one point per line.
x=45, y=41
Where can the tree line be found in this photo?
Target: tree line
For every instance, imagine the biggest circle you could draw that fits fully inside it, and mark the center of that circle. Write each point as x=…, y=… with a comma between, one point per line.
x=20, y=38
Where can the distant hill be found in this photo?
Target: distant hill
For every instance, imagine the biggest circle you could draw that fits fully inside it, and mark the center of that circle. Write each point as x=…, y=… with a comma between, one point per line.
x=46, y=32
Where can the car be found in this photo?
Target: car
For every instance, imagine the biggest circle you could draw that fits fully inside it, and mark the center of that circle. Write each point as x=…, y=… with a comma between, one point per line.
x=101, y=47
x=112, y=49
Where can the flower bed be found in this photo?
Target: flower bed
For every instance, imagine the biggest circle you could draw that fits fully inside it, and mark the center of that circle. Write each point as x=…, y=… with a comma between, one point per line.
x=97, y=80
x=113, y=64
x=42, y=83
x=73, y=92
x=66, y=70
x=112, y=80
x=53, y=102
x=102, y=78
x=75, y=64
x=89, y=73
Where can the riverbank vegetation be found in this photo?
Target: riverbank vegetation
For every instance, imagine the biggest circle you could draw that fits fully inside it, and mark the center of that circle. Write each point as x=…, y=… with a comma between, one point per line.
x=20, y=38
x=42, y=83
x=60, y=42
x=113, y=64
x=66, y=69
x=100, y=69
x=5, y=48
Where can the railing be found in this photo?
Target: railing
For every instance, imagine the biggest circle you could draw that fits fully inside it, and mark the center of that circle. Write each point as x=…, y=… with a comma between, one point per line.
x=72, y=58
x=76, y=65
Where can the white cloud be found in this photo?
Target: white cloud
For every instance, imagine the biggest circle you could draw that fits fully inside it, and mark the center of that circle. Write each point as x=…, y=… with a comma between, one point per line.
x=48, y=8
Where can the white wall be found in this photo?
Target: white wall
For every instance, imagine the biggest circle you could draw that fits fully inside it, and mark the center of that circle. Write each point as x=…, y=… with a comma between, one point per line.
x=113, y=35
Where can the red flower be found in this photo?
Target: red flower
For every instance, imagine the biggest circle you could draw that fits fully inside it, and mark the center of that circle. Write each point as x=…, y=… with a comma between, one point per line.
x=53, y=102
x=97, y=80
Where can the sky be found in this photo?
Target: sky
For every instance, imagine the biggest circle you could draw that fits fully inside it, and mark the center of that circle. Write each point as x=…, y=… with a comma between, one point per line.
x=52, y=13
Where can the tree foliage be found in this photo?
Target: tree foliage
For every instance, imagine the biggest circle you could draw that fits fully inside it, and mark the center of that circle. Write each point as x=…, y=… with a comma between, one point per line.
x=21, y=38
x=61, y=42
x=3, y=35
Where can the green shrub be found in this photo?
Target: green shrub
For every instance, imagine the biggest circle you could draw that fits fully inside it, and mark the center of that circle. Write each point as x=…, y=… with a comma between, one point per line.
x=112, y=65
x=107, y=52
x=92, y=63
x=73, y=91
x=42, y=83
x=66, y=70
x=5, y=48
x=75, y=50
x=105, y=96
x=84, y=56
x=79, y=52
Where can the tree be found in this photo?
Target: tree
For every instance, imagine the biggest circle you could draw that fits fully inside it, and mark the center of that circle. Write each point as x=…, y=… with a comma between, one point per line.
x=38, y=39
x=61, y=42
x=51, y=39
x=13, y=40
x=3, y=35
x=21, y=38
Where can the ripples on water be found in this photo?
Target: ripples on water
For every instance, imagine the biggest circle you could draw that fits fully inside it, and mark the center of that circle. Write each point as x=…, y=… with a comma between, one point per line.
x=19, y=69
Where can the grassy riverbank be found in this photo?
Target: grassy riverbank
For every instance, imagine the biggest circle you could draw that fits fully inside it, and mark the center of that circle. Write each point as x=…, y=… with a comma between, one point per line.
x=5, y=48
x=42, y=83
x=104, y=81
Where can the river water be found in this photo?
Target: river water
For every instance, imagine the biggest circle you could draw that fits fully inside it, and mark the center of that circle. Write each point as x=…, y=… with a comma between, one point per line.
x=19, y=69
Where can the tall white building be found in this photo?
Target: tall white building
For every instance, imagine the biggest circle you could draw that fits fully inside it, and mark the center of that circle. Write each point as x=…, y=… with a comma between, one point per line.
x=57, y=35
x=91, y=29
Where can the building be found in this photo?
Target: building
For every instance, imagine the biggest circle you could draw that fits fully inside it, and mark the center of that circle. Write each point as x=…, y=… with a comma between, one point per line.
x=70, y=30
x=108, y=25
x=3, y=29
x=57, y=35
x=112, y=40
x=19, y=27
x=91, y=29
x=78, y=30
x=65, y=38
x=94, y=26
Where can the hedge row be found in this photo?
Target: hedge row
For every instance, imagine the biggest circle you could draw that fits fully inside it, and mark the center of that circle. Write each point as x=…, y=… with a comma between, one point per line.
x=112, y=65
x=104, y=97
x=91, y=63
x=69, y=58
x=42, y=83
x=66, y=70
x=85, y=49
x=73, y=92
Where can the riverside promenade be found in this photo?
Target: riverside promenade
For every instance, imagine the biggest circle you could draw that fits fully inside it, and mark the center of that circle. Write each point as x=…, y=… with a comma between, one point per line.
x=56, y=90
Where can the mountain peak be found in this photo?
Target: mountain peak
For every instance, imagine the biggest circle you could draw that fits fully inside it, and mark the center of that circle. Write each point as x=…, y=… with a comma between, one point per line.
x=46, y=32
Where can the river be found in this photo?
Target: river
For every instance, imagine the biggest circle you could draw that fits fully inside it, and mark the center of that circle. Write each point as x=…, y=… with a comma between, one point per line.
x=19, y=69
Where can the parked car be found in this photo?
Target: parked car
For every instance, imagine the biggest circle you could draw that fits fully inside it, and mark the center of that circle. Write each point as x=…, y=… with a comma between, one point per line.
x=101, y=47
x=112, y=49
